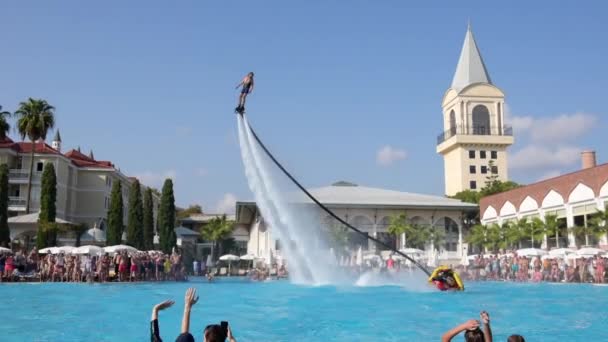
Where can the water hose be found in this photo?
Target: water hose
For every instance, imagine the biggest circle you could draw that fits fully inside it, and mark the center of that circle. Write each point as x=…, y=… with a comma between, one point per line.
x=328, y=211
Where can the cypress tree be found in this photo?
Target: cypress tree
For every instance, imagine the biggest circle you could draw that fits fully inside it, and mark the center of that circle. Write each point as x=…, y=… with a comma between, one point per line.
x=5, y=235
x=135, y=231
x=115, y=214
x=148, y=220
x=166, y=217
x=48, y=210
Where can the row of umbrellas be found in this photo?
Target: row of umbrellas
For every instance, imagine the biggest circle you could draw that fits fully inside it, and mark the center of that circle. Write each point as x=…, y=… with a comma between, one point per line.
x=88, y=249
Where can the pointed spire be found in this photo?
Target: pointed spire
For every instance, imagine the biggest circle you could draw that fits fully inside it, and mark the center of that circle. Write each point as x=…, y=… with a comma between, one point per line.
x=57, y=136
x=91, y=155
x=471, y=68
x=78, y=148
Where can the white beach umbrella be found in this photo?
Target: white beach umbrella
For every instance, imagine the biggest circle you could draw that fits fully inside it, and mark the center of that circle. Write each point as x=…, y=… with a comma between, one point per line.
x=247, y=257
x=48, y=250
x=472, y=256
x=529, y=252
x=413, y=251
x=589, y=251
x=63, y=249
x=5, y=250
x=229, y=257
x=119, y=248
x=561, y=252
x=88, y=249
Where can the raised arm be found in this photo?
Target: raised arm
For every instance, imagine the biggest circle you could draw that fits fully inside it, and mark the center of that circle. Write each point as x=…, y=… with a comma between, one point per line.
x=190, y=299
x=238, y=85
x=154, y=330
x=468, y=325
x=487, y=331
x=230, y=337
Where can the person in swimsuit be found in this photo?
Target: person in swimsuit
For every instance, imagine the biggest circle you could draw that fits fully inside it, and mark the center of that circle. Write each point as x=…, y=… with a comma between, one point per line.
x=247, y=88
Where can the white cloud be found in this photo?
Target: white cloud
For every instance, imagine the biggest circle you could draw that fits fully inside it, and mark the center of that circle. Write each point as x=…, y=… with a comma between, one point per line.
x=226, y=205
x=538, y=157
x=387, y=155
x=565, y=127
x=155, y=179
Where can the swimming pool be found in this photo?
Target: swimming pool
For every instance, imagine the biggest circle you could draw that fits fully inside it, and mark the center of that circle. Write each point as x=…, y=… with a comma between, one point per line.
x=280, y=311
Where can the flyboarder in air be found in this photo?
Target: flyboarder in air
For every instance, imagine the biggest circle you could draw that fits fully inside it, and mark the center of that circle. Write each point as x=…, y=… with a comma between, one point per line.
x=247, y=87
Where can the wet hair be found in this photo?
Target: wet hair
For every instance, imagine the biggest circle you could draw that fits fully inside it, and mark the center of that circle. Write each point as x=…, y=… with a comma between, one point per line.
x=516, y=338
x=474, y=336
x=214, y=333
x=251, y=73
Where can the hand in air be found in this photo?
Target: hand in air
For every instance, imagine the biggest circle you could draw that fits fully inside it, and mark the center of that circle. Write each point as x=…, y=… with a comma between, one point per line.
x=164, y=305
x=191, y=297
x=471, y=324
x=485, y=317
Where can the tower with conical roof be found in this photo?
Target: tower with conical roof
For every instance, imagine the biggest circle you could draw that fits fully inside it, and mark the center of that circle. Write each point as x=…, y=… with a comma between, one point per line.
x=475, y=138
x=56, y=143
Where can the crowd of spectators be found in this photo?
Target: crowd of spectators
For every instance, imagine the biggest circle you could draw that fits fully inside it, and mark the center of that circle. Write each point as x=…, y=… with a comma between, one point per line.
x=121, y=266
x=510, y=267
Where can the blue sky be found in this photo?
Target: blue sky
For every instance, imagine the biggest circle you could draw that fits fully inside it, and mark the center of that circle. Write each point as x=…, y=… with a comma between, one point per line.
x=150, y=84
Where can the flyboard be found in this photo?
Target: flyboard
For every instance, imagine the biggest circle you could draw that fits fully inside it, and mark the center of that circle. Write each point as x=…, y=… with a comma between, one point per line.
x=241, y=111
x=444, y=278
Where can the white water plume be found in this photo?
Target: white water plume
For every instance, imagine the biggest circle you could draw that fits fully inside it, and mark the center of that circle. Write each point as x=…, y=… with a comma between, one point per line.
x=297, y=223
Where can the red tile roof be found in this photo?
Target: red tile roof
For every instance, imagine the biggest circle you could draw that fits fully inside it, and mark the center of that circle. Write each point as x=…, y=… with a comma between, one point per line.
x=594, y=178
x=82, y=160
x=77, y=158
x=26, y=147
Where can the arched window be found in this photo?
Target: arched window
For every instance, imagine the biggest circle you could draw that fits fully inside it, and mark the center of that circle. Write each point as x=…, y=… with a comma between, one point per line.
x=481, y=120
x=452, y=123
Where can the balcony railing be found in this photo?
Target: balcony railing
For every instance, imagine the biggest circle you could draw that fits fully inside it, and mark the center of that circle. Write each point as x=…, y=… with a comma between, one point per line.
x=16, y=201
x=475, y=130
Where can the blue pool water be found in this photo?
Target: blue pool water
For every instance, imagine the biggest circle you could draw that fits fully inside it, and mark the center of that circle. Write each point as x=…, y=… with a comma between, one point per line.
x=280, y=311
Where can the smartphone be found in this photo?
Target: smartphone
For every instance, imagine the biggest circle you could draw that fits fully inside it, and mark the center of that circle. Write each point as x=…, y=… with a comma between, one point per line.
x=224, y=326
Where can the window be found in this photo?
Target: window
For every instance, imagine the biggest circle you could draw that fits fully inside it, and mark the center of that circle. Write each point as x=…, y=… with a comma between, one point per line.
x=484, y=169
x=472, y=169
x=482, y=154
x=472, y=154
x=106, y=203
x=494, y=155
x=494, y=169
x=39, y=166
x=473, y=185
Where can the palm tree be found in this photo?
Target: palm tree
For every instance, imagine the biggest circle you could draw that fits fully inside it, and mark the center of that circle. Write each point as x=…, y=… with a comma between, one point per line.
x=399, y=225
x=599, y=223
x=512, y=235
x=477, y=235
x=217, y=230
x=522, y=227
x=536, y=230
x=4, y=125
x=35, y=118
x=493, y=237
x=552, y=227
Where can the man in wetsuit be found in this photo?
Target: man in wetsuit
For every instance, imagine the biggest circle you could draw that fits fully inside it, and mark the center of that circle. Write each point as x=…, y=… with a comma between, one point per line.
x=247, y=88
